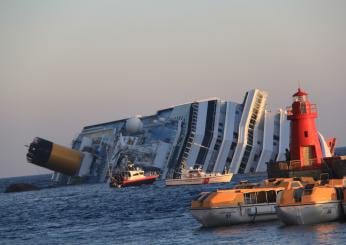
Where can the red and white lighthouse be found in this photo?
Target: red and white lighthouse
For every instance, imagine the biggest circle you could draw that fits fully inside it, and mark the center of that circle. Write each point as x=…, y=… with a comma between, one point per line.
x=304, y=145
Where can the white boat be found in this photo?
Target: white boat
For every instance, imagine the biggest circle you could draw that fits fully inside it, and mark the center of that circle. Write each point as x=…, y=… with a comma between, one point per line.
x=198, y=177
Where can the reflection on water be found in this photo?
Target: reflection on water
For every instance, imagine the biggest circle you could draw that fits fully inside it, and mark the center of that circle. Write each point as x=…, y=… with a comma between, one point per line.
x=276, y=233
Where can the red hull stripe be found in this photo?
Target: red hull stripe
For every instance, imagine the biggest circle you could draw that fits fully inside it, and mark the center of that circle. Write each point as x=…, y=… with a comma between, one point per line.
x=145, y=180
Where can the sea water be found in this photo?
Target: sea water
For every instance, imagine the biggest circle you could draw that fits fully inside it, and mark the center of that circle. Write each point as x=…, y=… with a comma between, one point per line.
x=152, y=214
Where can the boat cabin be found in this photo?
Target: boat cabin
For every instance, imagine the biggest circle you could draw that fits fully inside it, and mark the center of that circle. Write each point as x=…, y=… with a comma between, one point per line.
x=134, y=174
x=194, y=173
x=236, y=197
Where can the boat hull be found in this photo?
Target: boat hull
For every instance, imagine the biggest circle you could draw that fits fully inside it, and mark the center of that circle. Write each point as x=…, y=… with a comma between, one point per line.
x=309, y=213
x=226, y=178
x=143, y=181
x=234, y=215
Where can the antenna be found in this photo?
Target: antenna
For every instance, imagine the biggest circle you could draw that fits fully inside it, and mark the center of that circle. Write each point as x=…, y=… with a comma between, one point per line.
x=299, y=84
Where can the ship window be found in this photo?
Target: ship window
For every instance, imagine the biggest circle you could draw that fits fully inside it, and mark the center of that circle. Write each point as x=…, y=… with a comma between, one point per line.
x=306, y=134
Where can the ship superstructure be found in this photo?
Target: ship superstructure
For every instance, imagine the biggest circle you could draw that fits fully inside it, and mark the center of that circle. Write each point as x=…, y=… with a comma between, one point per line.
x=216, y=135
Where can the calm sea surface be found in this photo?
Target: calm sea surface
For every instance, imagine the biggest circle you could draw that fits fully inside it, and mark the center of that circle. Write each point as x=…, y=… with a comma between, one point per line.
x=96, y=214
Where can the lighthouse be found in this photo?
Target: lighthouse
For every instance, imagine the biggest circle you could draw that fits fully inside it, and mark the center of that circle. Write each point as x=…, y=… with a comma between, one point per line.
x=305, y=147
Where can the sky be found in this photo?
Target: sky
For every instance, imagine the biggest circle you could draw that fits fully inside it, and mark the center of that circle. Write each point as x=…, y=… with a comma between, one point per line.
x=67, y=64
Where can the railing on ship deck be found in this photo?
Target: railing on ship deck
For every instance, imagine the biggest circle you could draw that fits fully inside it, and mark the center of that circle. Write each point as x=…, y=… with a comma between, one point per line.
x=295, y=165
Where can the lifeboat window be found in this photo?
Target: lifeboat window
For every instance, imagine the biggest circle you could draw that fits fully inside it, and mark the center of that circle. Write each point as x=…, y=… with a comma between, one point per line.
x=202, y=196
x=271, y=196
x=250, y=198
x=261, y=197
x=308, y=189
x=297, y=194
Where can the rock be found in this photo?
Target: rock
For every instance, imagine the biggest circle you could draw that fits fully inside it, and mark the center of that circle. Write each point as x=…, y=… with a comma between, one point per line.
x=21, y=187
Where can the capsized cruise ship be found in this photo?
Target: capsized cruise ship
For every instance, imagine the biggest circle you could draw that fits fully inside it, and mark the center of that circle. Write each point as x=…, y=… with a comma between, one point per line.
x=216, y=135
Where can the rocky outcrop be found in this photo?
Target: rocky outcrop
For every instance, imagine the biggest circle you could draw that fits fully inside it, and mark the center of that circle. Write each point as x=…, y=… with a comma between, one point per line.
x=21, y=187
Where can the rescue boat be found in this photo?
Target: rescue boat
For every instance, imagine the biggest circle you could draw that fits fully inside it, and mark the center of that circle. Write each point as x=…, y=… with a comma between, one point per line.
x=242, y=204
x=311, y=204
x=198, y=177
x=133, y=176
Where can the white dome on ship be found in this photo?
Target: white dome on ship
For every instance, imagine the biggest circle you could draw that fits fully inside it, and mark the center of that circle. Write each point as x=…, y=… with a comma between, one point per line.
x=133, y=125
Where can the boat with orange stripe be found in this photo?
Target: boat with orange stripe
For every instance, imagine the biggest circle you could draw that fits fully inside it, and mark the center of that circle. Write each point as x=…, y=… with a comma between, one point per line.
x=243, y=204
x=312, y=204
x=133, y=176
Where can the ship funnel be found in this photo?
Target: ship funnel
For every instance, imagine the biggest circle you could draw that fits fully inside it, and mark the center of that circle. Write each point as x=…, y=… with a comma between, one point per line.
x=54, y=157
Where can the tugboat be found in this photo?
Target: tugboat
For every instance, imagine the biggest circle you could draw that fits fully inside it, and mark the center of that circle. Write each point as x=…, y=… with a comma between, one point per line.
x=132, y=176
x=198, y=177
x=312, y=204
x=245, y=203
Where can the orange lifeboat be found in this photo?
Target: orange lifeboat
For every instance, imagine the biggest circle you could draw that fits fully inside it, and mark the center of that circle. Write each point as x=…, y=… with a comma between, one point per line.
x=311, y=204
x=243, y=204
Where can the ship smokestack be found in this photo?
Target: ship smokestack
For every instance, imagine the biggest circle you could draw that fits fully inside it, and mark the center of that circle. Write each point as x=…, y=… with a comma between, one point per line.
x=54, y=157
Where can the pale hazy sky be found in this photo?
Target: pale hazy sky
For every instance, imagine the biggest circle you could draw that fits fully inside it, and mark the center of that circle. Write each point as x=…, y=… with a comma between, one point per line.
x=67, y=64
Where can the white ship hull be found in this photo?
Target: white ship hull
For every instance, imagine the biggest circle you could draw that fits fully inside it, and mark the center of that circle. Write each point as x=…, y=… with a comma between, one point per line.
x=234, y=215
x=207, y=179
x=309, y=213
